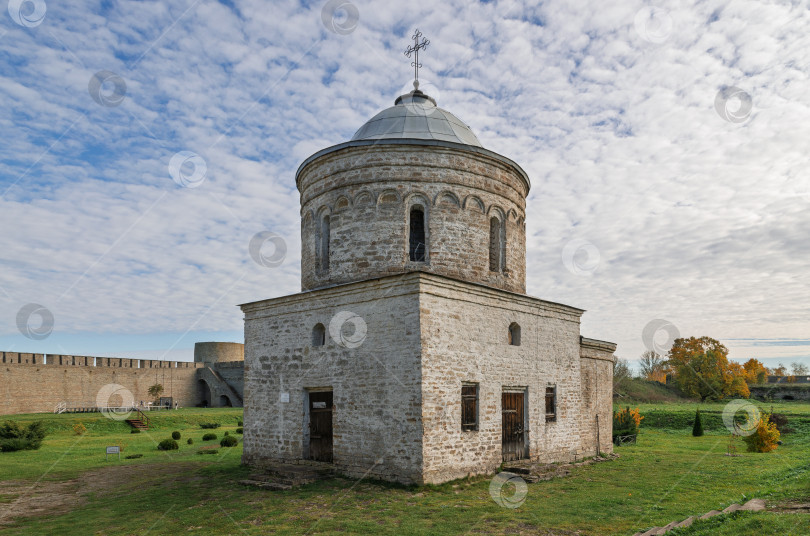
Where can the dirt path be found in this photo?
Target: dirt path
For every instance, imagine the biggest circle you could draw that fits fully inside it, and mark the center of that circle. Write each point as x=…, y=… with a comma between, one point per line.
x=25, y=499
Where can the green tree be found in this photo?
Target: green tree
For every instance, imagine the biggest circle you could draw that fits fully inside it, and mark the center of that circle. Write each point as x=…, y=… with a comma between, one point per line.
x=697, y=428
x=155, y=391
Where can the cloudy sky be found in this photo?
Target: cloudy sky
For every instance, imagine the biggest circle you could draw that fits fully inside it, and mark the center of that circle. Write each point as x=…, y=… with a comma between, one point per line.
x=667, y=144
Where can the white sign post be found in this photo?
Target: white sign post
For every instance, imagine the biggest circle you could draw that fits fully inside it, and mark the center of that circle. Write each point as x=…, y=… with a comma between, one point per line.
x=113, y=450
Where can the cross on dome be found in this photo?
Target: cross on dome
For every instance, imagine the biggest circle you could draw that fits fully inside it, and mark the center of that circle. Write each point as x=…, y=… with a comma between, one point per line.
x=417, y=46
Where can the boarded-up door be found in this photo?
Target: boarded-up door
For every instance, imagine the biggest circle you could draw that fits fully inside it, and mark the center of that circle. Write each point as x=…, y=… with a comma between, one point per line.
x=513, y=432
x=320, y=426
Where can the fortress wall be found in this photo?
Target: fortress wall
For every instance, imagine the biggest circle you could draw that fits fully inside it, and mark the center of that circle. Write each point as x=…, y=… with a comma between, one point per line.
x=232, y=372
x=32, y=383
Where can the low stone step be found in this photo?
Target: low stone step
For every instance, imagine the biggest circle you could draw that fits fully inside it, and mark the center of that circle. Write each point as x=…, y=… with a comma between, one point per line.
x=275, y=486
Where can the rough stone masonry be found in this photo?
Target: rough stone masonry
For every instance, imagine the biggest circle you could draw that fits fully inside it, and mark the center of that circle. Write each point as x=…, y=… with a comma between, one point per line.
x=413, y=353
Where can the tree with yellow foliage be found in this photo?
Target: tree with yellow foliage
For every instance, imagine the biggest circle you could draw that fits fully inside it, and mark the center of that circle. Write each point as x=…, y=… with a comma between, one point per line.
x=755, y=371
x=702, y=369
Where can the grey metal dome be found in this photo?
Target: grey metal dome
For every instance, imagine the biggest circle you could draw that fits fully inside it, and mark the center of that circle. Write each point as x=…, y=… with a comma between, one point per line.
x=416, y=116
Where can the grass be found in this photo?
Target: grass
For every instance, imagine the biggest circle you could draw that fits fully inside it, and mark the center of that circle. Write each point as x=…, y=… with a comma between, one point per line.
x=65, y=455
x=667, y=476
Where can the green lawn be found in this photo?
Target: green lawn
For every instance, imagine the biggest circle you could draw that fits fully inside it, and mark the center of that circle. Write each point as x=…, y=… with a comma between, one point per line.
x=667, y=476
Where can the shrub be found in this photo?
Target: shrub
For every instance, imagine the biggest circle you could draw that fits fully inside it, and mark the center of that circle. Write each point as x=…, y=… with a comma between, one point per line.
x=190, y=441
x=626, y=422
x=133, y=456
x=208, y=451
x=240, y=423
x=239, y=430
x=765, y=438
x=697, y=428
x=175, y=435
x=209, y=437
x=781, y=423
x=209, y=425
x=227, y=433
x=15, y=437
x=79, y=428
x=168, y=444
x=135, y=431
x=228, y=441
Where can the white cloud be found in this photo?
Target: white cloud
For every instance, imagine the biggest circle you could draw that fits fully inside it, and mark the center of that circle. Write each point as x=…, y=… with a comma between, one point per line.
x=697, y=220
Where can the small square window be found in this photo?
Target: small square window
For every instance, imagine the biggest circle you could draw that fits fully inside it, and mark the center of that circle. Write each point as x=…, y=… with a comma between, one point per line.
x=551, y=404
x=469, y=406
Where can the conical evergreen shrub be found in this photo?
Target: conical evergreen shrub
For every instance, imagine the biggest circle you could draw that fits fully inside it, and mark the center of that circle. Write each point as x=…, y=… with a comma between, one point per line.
x=697, y=428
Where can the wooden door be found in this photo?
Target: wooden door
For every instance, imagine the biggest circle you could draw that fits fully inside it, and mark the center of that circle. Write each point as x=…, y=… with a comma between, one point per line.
x=320, y=426
x=513, y=433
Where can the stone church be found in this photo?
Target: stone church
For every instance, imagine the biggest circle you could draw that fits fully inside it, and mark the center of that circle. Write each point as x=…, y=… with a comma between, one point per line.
x=413, y=353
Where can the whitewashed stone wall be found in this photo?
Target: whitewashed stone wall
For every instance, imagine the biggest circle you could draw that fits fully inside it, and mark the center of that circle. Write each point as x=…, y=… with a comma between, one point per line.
x=465, y=339
x=398, y=395
x=597, y=395
x=376, y=386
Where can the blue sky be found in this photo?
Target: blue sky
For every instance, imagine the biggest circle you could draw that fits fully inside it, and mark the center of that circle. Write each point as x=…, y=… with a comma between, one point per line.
x=666, y=144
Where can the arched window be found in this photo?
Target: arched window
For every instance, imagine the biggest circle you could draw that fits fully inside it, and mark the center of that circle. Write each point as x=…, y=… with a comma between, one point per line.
x=497, y=247
x=325, y=243
x=417, y=247
x=318, y=335
x=514, y=334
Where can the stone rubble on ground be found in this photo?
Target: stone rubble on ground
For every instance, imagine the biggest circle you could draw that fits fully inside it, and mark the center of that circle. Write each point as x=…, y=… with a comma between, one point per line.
x=754, y=505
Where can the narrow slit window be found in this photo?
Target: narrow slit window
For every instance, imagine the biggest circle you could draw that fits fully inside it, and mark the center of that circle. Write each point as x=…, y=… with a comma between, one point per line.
x=495, y=245
x=551, y=404
x=325, y=230
x=416, y=240
x=469, y=407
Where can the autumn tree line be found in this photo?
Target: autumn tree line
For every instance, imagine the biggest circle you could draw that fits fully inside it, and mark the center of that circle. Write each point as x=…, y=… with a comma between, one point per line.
x=701, y=369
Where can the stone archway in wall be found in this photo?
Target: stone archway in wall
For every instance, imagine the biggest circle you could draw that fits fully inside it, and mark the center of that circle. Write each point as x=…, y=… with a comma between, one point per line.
x=225, y=402
x=204, y=391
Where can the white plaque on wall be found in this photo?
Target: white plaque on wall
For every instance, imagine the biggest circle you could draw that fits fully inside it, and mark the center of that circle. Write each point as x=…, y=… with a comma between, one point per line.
x=285, y=397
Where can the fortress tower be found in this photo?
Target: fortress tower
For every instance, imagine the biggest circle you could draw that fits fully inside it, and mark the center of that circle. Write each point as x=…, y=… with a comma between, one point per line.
x=413, y=353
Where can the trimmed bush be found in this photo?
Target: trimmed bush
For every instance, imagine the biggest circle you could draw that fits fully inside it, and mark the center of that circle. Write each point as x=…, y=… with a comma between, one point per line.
x=765, y=438
x=239, y=423
x=227, y=433
x=228, y=441
x=133, y=456
x=209, y=437
x=168, y=444
x=239, y=430
x=697, y=428
x=15, y=437
x=135, y=431
x=175, y=435
x=209, y=425
x=190, y=441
